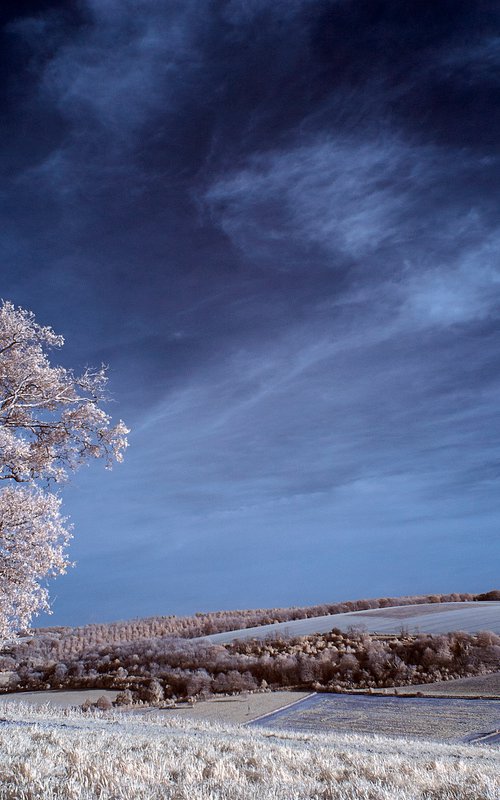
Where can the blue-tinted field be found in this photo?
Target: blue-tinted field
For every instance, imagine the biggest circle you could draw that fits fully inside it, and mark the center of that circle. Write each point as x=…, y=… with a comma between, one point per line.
x=429, y=718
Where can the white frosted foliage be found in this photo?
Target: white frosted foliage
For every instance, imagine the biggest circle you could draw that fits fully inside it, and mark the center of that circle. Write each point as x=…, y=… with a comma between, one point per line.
x=51, y=422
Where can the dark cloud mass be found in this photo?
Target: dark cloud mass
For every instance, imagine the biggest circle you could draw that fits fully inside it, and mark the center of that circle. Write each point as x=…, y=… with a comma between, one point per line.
x=278, y=222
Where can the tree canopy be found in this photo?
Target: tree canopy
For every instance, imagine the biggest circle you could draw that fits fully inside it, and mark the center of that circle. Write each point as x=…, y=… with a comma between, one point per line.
x=51, y=422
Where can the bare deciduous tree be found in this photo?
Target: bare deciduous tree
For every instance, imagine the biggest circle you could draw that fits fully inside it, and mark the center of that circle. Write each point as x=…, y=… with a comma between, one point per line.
x=51, y=422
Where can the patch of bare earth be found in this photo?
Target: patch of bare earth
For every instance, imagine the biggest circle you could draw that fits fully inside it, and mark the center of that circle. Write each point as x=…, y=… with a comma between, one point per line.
x=237, y=709
x=240, y=708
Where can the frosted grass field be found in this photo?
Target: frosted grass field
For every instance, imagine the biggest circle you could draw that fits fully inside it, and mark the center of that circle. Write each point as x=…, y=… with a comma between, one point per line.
x=425, y=618
x=64, y=755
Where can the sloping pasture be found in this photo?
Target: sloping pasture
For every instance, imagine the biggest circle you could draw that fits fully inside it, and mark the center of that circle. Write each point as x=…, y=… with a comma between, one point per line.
x=429, y=618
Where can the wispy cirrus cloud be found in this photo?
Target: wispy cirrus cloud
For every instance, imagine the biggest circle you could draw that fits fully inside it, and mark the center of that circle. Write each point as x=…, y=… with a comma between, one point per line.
x=123, y=66
x=115, y=85
x=381, y=210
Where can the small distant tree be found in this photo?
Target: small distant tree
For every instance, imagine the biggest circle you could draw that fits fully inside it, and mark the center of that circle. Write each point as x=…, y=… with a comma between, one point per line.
x=125, y=698
x=153, y=693
x=103, y=703
x=51, y=422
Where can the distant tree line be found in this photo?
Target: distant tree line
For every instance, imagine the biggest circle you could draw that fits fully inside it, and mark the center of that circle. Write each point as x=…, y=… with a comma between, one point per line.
x=493, y=595
x=59, y=643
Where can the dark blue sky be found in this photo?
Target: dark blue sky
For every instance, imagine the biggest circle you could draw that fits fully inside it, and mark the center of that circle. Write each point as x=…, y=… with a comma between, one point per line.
x=278, y=222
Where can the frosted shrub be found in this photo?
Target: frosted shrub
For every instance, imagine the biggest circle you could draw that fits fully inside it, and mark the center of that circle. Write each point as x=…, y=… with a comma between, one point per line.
x=104, y=703
x=124, y=698
x=153, y=693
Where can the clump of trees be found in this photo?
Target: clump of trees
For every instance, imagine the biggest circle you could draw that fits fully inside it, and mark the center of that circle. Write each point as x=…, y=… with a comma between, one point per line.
x=161, y=670
x=493, y=595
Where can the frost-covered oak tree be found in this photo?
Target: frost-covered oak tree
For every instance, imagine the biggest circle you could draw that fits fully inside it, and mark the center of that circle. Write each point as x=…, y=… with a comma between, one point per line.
x=51, y=422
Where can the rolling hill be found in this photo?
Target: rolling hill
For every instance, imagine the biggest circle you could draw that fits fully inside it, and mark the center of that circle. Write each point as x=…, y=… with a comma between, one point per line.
x=435, y=618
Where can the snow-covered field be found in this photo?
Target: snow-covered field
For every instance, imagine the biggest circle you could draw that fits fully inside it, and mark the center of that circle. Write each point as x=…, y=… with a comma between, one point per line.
x=426, y=618
x=48, y=754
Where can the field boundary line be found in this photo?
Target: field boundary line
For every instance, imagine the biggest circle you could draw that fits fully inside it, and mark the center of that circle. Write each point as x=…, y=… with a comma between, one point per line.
x=281, y=708
x=416, y=696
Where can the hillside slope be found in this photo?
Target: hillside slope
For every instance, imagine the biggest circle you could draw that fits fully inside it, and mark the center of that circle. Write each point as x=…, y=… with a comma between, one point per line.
x=426, y=618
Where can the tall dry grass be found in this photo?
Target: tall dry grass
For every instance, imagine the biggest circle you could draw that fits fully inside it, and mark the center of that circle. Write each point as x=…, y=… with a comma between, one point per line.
x=48, y=755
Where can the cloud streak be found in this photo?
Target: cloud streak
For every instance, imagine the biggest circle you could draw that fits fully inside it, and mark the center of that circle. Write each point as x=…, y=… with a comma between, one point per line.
x=380, y=210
